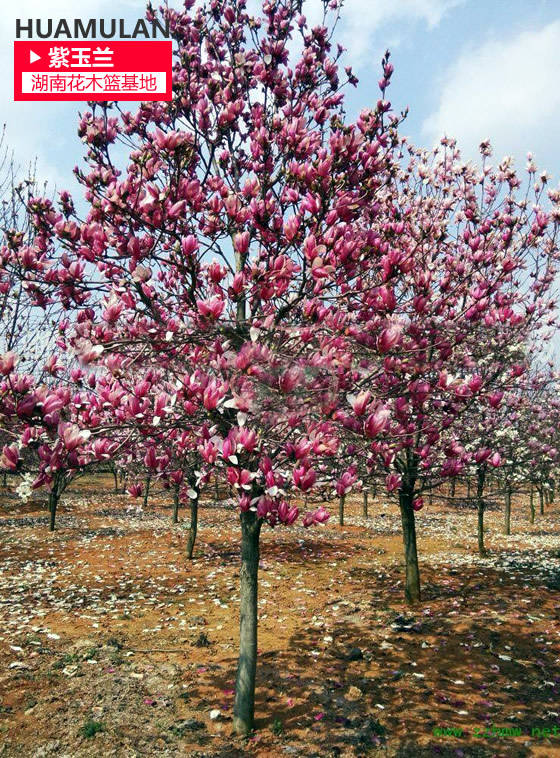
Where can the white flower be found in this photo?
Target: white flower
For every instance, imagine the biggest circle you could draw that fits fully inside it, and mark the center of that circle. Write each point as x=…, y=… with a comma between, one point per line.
x=24, y=490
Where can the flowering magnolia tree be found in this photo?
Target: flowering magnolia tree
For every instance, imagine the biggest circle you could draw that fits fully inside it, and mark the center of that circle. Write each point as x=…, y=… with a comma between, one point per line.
x=48, y=429
x=527, y=435
x=221, y=254
x=513, y=437
x=140, y=407
x=467, y=260
x=479, y=439
x=26, y=330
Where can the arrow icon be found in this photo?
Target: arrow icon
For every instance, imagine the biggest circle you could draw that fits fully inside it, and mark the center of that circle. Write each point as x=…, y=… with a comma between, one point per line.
x=33, y=57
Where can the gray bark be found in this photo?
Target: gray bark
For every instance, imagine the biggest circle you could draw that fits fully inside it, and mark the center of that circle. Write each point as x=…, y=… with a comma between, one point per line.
x=175, y=516
x=191, y=538
x=481, y=476
x=507, y=525
x=412, y=581
x=147, y=490
x=244, y=705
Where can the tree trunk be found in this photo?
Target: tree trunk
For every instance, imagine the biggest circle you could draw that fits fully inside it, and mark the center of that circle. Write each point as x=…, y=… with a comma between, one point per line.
x=507, y=524
x=365, y=507
x=244, y=705
x=541, y=499
x=452, y=488
x=116, y=480
x=341, y=501
x=5, y=479
x=216, y=490
x=175, y=516
x=191, y=539
x=412, y=585
x=481, y=475
x=147, y=490
x=53, y=502
x=532, y=503
x=468, y=488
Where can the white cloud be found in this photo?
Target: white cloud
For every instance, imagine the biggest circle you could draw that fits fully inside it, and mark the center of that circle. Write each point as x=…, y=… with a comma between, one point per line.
x=506, y=91
x=360, y=19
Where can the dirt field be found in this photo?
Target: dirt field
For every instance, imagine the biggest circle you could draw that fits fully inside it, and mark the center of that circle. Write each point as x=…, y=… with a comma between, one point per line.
x=113, y=644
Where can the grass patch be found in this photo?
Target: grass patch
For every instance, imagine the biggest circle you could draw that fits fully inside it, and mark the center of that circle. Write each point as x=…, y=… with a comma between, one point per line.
x=90, y=728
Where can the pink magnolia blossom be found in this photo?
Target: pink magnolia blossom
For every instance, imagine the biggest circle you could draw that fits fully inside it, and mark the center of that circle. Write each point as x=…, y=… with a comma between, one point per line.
x=389, y=338
x=376, y=422
x=102, y=448
x=393, y=482
x=482, y=455
x=319, y=516
x=286, y=514
x=345, y=482
x=212, y=308
x=304, y=478
x=359, y=402
x=494, y=399
x=247, y=438
x=73, y=436
x=8, y=362
x=10, y=457
x=239, y=478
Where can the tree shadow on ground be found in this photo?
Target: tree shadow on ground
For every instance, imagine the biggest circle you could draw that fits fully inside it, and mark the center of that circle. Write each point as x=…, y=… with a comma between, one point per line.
x=390, y=675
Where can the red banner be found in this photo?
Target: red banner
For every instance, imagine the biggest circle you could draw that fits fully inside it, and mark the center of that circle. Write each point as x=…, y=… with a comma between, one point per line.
x=92, y=70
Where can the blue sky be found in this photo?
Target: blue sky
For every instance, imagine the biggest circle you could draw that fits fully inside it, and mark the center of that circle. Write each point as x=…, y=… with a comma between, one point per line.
x=473, y=69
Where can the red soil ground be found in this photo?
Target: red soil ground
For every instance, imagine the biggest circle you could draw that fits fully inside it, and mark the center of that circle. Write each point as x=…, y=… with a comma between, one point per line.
x=106, y=626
